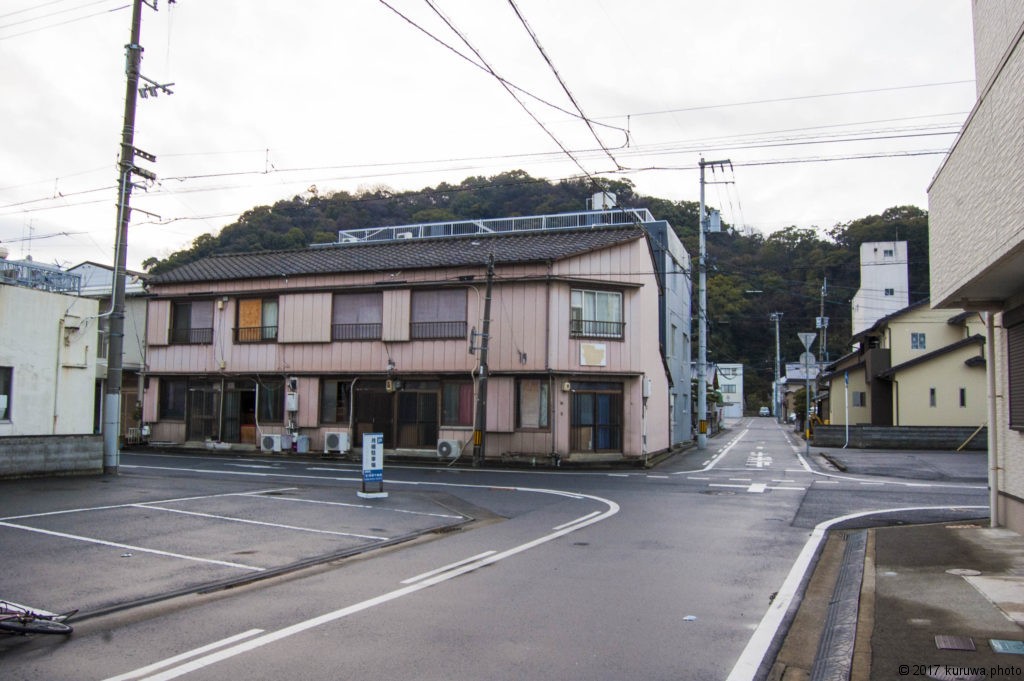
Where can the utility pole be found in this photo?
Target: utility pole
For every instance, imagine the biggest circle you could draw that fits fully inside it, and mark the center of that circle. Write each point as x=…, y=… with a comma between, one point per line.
x=702, y=316
x=776, y=402
x=480, y=429
x=127, y=168
x=823, y=326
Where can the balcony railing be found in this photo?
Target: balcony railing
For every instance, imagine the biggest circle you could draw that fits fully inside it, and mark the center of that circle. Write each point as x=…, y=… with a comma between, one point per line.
x=592, y=328
x=198, y=336
x=356, y=332
x=256, y=334
x=428, y=330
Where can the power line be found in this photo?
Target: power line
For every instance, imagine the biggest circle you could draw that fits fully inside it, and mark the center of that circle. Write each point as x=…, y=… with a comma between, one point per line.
x=508, y=89
x=795, y=98
x=561, y=81
x=62, y=23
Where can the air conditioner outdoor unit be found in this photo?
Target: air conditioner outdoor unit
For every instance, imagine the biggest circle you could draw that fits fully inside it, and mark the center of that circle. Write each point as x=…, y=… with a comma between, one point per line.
x=448, y=449
x=336, y=442
x=270, y=443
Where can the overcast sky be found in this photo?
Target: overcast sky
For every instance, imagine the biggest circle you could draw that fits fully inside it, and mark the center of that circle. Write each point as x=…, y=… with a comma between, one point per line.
x=273, y=98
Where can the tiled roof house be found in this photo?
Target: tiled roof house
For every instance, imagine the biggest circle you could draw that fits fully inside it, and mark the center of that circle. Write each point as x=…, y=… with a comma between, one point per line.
x=380, y=333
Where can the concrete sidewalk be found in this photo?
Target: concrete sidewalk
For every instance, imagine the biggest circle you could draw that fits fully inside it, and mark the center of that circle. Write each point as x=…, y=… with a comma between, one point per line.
x=941, y=601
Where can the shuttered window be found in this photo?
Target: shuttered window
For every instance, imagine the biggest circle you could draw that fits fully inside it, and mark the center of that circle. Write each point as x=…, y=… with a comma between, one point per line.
x=1014, y=323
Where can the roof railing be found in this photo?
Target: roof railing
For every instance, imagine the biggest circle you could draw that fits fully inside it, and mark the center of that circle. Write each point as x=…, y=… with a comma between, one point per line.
x=31, y=275
x=529, y=223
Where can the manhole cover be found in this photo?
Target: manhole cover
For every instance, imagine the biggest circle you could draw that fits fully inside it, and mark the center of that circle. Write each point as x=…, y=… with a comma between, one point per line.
x=963, y=572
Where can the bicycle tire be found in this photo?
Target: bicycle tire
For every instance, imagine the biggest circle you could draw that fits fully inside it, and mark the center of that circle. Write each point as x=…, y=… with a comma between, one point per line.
x=35, y=625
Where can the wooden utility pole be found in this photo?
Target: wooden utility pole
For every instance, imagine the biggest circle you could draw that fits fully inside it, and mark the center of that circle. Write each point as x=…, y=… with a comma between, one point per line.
x=480, y=428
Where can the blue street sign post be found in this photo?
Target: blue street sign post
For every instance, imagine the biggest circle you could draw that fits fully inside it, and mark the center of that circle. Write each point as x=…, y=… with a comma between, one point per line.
x=373, y=466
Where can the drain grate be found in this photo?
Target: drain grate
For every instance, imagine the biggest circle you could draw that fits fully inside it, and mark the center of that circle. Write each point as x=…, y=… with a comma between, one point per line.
x=954, y=643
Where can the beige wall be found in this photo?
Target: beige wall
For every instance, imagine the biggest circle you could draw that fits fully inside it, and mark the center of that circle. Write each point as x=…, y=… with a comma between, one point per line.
x=838, y=394
x=947, y=375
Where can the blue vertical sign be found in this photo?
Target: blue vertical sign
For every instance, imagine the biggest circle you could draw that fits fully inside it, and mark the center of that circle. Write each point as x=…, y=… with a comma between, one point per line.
x=373, y=464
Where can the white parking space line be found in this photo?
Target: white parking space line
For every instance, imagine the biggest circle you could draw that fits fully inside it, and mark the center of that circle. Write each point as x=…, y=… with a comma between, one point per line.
x=440, y=578
x=446, y=568
x=157, y=666
x=130, y=547
x=258, y=522
x=155, y=501
x=363, y=506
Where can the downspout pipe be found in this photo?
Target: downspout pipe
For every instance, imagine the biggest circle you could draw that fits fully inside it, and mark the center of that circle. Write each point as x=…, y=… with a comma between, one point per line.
x=993, y=437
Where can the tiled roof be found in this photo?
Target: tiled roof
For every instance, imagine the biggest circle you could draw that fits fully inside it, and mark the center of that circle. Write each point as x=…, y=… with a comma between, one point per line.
x=406, y=254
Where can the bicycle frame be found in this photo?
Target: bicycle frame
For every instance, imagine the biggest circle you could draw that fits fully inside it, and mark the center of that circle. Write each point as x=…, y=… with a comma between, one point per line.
x=20, y=619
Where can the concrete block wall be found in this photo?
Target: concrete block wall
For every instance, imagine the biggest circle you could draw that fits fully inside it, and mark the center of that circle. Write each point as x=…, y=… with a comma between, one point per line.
x=37, y=455
x=901, y=437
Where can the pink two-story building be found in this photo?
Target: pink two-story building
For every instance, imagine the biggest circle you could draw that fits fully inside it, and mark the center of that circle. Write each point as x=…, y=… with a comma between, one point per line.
x=381, y=333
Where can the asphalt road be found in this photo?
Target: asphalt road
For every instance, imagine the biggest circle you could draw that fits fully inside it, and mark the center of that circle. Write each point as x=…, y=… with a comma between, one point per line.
x=213, y=567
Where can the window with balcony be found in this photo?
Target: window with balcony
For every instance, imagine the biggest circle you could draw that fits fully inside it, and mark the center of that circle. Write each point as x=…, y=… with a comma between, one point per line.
x=595, y=314
x=192, y=322
x=357, y=316
x=438, y=314
x=257, y=320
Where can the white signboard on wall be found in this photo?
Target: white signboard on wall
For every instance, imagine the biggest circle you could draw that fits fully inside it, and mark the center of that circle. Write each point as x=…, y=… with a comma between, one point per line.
x=593, y=355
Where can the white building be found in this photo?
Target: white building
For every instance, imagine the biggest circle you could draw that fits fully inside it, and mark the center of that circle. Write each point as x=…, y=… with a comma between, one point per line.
x=730, y=384
x=884, y=282
x=47, y=352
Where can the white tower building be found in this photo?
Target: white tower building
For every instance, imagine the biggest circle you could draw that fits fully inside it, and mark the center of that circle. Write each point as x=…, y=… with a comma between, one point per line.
x=884, y=282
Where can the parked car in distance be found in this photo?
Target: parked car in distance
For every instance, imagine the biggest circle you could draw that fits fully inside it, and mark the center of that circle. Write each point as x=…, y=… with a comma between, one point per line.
x=764, y=412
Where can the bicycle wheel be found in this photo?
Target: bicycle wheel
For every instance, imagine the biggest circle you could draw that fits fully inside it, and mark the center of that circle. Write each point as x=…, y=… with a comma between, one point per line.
x=34, y=625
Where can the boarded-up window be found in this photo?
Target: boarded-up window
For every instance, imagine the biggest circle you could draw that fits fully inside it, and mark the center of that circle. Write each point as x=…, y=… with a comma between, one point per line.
x=257, y=320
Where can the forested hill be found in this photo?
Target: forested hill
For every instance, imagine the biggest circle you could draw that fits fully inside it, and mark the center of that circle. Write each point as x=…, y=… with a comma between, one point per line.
x=750, y=275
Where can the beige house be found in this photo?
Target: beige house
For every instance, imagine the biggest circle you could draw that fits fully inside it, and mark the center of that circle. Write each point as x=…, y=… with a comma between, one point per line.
x=976, y=207
x=916, y=367
x=382, y=333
